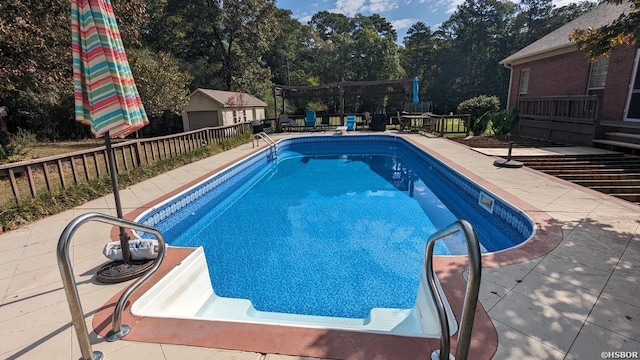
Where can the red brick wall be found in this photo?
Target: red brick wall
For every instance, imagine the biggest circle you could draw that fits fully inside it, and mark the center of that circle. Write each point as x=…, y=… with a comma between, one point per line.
x=617, y=84
x=568, y=74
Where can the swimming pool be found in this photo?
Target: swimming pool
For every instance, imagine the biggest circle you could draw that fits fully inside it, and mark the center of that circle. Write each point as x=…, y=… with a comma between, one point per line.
x=262, y=215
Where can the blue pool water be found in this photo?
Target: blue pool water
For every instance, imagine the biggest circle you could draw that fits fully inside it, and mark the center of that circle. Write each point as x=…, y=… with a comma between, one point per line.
x=333, y=227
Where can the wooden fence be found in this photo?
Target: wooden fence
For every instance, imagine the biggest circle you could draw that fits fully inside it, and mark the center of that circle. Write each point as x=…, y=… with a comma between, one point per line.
x=28, y=178
x=569, y=119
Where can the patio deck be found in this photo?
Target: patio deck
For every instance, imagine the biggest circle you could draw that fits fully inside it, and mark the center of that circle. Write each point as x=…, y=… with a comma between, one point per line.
x=580, y=299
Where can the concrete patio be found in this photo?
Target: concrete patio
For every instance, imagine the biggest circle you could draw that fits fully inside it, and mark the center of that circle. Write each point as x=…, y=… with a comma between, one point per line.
x=581, y=299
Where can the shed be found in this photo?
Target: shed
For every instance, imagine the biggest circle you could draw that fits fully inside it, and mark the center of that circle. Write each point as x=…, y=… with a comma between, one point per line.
x=210, y=108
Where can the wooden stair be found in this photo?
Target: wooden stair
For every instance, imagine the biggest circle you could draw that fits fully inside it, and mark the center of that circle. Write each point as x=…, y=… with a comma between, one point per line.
x=622, y=141
x=614, y=174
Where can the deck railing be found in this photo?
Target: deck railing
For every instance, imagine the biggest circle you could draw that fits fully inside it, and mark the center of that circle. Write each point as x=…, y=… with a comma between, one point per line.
x=31, y=177
x=568, y=119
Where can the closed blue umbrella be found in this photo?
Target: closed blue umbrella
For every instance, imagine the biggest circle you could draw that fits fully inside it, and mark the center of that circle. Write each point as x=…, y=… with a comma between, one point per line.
x=416, y=90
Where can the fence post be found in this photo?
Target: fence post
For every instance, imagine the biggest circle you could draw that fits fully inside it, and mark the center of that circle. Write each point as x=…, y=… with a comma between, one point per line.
x=138, y=152
x=467, y=123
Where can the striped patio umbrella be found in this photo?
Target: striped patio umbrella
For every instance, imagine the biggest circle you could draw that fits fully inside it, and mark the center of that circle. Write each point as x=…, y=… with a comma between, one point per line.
x=106, y=97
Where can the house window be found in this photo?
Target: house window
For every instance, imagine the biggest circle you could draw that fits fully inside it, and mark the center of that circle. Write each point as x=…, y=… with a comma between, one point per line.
x=244, y=115
x=235, y=117
x=524, y=81
x=633, y=102
x=598, y=74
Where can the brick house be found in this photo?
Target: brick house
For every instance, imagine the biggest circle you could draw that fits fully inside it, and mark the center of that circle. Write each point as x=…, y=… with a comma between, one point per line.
x=563, y=97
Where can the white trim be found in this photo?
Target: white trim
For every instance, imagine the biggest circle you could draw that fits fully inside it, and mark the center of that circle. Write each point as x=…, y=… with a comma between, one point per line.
x=539, y=55
x=522, y=72
x=510, y=85
x=589, y=81
x=631, y=83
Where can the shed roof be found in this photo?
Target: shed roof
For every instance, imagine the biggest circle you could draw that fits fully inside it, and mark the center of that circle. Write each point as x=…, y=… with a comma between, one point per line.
x=558, y=40
x=231, y=99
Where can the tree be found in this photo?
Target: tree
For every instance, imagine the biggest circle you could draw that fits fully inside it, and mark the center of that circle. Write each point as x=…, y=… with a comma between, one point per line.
x=34, y=46
x=624, y=30
x=289, y=57
x=564, y=14
x=36, y=82
x=329, y=25
x=161, y=84
x=374, y=53
x=364, y=46
x=419, y=47
x=532, y=21
x=471, y=43
x=418, y=56
x=220, y=42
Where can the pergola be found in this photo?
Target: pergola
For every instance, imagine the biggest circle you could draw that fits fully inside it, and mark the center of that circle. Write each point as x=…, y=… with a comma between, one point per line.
x=340, y=91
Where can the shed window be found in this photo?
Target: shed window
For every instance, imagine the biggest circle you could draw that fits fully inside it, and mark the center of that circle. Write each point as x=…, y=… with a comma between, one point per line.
x=524, y=81
x=598, y=74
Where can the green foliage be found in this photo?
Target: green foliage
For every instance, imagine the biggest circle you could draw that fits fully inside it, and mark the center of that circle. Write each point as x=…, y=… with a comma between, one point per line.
x=14, y=215
x=161, y=84
x=225, y=39
x=504, y=122
x=34, y=46
x=478, y=107
x=365, y=46
x=624, y=30
x=18, y=148
x=470, y=45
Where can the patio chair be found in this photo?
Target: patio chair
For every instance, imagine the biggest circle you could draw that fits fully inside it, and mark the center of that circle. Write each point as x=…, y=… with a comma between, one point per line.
x=403, y=121
x=351, y=123
x=310, y=120
x=287, y=123
x=366, y=118
x=324, y=123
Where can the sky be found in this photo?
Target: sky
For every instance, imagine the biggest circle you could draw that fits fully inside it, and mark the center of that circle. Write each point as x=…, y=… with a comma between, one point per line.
x=400, y=13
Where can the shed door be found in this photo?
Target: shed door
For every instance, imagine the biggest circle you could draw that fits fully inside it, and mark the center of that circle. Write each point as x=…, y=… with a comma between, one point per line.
x=202, y=119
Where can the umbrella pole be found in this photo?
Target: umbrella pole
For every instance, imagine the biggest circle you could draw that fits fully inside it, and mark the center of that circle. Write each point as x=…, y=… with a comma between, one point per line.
x=124, y=238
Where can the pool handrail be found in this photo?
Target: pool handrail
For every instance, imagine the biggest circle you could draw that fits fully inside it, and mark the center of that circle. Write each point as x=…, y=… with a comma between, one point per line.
x=68, y=280
x=272, y=144
x=471, y=293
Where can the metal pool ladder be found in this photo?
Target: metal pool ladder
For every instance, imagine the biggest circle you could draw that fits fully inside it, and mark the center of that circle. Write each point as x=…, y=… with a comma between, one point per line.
x=471, y=293
x=272, y=144
x=68, y=280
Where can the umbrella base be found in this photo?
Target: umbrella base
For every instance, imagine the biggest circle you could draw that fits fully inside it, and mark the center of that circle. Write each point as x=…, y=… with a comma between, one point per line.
x=120, y=271
x=507, y=163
